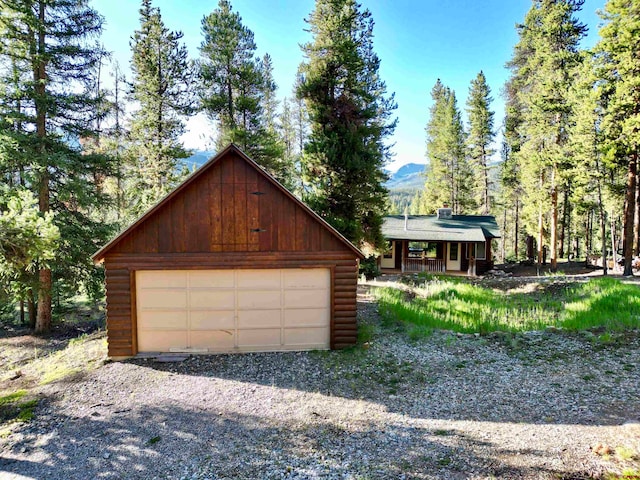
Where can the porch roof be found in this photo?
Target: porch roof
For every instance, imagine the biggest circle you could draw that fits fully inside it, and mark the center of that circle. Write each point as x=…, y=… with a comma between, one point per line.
x=458, y=228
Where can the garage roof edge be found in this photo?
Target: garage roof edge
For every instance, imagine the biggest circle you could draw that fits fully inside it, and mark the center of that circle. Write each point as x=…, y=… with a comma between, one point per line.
x=100, y=254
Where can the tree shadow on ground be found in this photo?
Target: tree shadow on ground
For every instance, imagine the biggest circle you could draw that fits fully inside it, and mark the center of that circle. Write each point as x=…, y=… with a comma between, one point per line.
x=175, y=442
x=499, y=378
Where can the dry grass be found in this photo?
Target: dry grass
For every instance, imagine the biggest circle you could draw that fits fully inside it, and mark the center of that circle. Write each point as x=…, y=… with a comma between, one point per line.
x=28, y=362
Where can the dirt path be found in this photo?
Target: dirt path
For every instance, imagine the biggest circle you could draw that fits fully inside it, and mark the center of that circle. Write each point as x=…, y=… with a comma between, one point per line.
x=531, y=406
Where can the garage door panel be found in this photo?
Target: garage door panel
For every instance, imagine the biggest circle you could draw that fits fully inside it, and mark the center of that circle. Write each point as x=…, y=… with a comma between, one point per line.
x=307, y=336
x=233, y=310
x=162, y=278
x=164, y=320
x=215, y=299
x=306, y=299
x=259, y=300
x=312, y=278
x=162, y=340
x=306, y=317
x=162, y=298
x=221, y=340
x=259, y=279
x=259, y=337
x=212, y=320
x=259, y=318
x=211, y=279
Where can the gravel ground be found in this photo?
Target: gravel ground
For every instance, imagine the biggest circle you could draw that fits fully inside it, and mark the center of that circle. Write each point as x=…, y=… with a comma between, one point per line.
x=538, y=405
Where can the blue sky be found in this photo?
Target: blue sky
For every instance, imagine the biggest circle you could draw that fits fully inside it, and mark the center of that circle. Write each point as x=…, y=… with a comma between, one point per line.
x=418, y=41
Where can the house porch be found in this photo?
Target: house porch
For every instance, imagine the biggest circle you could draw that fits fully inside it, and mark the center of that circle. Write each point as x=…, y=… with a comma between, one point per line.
x=455, y=258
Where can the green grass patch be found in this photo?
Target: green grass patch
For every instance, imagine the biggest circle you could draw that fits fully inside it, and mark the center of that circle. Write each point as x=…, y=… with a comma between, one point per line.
x=12, y=397
x=13, y=409
x=457, y=305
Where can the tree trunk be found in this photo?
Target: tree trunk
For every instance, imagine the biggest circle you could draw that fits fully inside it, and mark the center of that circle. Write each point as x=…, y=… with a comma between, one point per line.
x=589, y=235
x=517, y=227
x=554, y=222
x=540, y=239
x=504, y=234
x=31, y=305
x=603, y=230
x=563, y=227
x=485, y=171
x=614, y=241
x=540, y=226
x=43, y=320
x=636, y=220
x=629, y=213
x=603, y=213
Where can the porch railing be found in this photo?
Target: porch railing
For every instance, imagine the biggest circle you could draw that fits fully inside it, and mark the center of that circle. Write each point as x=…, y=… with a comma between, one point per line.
x=424, y=265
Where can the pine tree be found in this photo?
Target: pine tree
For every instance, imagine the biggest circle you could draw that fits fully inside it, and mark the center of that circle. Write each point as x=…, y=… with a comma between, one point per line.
x=162, y=78
x=511, y=189
x=589, y=177
x=479, y=139
x=543, y=67
x=350, y=115
x=620, y=64
x=55, y=111
x=448, y=175
x=28, y=240
x=236, y=87
x=268, y=98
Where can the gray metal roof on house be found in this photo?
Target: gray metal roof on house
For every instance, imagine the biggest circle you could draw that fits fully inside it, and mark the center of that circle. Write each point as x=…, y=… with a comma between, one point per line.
x=457, y=228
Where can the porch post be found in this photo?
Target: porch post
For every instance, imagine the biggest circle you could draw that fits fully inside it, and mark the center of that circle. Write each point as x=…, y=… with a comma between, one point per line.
x=404, y=243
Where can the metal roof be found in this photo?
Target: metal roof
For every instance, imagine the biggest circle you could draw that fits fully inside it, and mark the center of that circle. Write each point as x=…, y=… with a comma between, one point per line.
x=457, y=228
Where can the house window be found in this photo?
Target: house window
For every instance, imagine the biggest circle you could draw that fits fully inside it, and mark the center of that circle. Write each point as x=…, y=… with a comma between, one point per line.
x=481, y=250
x=423, y=249
x=388, y=253
x=453, y=251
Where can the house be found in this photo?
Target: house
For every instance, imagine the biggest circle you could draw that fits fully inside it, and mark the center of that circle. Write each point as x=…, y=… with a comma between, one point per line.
x=439, y=243
x=230, y=261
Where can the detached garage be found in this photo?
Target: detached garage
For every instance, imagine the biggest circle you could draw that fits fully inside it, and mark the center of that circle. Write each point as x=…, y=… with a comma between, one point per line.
x=230, y=261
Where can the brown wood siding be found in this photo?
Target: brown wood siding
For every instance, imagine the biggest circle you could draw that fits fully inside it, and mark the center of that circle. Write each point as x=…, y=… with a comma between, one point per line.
x=121, y=289
x=119, y=312
x=230, y=208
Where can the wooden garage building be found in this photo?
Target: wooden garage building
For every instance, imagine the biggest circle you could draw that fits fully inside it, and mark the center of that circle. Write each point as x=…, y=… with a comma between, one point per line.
x=230, y=261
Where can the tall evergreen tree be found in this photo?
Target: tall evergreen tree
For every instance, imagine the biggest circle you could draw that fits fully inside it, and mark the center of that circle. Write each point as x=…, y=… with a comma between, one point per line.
x=236, y=87
x=480, y=137
x=543, y=67
x=162, y=87
x=350, y=118
x=620, y=64
x=448, y=175
x=55, y=111
x=585, y=137
x=268, y=98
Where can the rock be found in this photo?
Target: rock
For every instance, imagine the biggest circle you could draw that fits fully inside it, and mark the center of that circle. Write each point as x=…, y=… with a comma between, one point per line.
x=602, y=449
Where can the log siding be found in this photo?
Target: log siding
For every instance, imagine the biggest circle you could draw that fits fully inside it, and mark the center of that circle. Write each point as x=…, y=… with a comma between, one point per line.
x=229, y=215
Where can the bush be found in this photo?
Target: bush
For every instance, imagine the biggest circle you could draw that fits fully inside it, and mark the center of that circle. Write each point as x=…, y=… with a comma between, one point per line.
x=369, y=268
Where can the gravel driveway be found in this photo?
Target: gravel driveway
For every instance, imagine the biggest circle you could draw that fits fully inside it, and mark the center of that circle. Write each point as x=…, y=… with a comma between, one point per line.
x=529, y=406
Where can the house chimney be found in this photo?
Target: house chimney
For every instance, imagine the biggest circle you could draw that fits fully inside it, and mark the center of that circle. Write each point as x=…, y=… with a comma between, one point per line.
x=444, y=212
x=406, y=219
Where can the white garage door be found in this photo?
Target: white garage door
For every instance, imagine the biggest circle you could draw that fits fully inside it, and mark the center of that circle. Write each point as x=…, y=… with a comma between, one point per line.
x=233, y=310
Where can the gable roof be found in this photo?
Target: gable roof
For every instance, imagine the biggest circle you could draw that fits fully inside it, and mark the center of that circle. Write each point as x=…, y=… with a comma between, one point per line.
x=458, y=228
x=100, y=254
